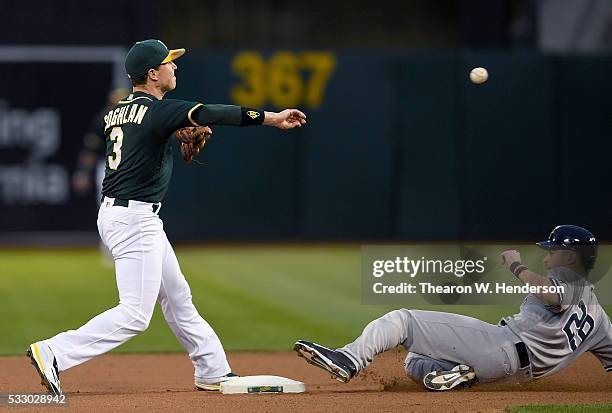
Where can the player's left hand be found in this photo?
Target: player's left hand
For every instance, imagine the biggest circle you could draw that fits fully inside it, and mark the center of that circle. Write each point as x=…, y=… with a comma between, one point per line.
x=192, y=140
x=510, y=256
x=287, y=119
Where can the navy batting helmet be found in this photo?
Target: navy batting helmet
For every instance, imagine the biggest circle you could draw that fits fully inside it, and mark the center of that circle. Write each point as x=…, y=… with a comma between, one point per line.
x=575, y=238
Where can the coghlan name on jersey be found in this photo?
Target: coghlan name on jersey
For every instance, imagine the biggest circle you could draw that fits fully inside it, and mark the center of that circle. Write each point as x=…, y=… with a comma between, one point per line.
x=132, y=113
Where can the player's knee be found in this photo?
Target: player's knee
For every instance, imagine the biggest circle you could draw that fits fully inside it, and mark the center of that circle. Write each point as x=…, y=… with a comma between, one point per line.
x=141, y=324
x=402, y=315
x=136, y=320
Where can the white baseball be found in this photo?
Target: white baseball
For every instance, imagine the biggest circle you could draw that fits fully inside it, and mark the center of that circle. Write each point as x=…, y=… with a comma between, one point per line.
x=479, y=75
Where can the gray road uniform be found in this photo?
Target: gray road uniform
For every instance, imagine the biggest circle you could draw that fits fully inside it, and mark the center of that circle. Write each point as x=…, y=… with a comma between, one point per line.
x=538, y=341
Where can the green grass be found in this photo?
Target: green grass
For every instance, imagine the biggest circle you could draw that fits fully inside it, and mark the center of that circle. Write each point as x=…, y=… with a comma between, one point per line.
x=561, y=408
x=256, y=297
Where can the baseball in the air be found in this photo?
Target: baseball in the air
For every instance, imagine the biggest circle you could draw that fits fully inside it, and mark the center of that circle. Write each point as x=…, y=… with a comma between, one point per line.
x=479, y=75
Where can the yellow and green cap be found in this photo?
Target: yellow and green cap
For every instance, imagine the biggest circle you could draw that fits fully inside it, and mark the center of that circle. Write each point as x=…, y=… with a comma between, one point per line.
x=148, y=54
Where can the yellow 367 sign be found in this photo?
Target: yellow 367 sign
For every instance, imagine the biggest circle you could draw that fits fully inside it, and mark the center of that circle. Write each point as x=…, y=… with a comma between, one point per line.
x=285, y=80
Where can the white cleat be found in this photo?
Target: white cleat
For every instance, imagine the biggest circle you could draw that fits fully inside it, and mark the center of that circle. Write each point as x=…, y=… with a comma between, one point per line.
x=459, y=376
x=44, y=362
x=217, y=385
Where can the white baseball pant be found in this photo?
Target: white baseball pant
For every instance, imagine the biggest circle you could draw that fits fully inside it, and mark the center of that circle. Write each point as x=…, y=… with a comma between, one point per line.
x=147, y=271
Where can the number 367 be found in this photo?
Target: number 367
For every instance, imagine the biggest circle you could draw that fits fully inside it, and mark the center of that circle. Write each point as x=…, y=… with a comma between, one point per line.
x=287, y=79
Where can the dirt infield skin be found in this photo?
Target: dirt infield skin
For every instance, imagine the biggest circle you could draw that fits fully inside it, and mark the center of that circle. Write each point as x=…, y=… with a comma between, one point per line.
x=163, y=382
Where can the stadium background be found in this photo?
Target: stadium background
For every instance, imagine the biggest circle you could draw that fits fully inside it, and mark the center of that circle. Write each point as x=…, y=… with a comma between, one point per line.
x=400, y=147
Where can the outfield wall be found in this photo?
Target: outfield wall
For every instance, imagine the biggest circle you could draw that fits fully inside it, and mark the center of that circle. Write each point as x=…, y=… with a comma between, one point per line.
x=398, y=146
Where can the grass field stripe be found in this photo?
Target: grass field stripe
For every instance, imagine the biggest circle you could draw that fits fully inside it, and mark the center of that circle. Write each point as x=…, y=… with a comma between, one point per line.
x=37, y=355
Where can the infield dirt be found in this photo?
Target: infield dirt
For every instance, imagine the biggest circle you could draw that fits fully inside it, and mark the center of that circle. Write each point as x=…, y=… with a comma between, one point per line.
x=163, y=382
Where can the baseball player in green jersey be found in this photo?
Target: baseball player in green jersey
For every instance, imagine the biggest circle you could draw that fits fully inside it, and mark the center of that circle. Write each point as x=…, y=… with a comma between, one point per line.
x=138, y=134
x=449, y=350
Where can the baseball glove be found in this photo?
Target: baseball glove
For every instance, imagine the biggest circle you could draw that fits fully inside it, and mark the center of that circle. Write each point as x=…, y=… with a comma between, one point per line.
x=192, y=140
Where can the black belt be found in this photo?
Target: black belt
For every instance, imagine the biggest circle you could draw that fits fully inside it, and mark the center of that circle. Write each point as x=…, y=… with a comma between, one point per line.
x=126, y=202
x=523, y=355
x=521, y=349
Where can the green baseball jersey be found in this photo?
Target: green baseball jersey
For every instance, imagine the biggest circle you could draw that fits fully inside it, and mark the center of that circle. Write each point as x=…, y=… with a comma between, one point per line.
x=137, y=132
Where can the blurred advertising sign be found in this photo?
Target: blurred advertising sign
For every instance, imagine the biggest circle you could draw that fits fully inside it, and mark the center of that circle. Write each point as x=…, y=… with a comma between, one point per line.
x=48, y=100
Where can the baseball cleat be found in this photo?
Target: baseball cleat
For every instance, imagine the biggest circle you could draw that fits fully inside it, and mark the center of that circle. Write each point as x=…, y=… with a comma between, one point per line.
x=44, y=362
x=216, y=386
x=459, y=376
x=336, y=363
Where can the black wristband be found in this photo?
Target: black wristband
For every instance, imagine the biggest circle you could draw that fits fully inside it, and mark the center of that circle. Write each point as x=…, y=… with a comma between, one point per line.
x=251, y=117
x=517, y=268
x=514, y=265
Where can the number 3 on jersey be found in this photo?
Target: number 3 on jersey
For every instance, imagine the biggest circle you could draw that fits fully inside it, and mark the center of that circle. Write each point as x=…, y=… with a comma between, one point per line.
x=116, y=136
x=582, y=326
